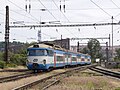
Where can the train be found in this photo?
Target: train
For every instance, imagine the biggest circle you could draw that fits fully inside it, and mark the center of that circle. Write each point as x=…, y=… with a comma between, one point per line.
x=46, y=56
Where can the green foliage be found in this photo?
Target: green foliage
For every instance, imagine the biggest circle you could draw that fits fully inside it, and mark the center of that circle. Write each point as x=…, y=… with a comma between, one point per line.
x=11, y=65
x=117, y=88
x=117, y=58
x=1, y=56
x=85, y=50
x=119, y=66
x=18, y=59
x=2, y=64
x=94, y=49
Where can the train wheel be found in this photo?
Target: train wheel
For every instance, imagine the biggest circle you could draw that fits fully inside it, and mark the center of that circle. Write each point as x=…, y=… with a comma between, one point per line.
x=49, y=69
x=35, y=71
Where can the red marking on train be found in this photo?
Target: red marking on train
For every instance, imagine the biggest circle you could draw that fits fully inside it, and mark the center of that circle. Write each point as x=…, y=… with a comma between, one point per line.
x=54, y=59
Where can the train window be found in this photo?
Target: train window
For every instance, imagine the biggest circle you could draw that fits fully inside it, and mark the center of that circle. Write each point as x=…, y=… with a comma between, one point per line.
x=69, y=56
x=74, y=59
x=37, y=52
x=82, y=59
x=50, y=52
x=79, y=57
x=59, y=58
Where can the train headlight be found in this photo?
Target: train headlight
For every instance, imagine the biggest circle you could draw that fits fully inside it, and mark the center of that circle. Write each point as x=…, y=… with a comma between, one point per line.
x=44, y=61
x=35, y=60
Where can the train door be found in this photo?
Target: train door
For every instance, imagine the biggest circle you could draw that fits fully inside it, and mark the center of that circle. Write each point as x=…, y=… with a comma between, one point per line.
x=55, y=59
x=66, y=59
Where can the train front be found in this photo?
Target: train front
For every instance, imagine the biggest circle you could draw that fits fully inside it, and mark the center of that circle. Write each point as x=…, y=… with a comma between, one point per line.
x=36, y=59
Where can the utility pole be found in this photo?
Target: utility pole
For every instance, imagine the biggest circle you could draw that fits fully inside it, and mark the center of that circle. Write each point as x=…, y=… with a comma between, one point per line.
x=107, y=51
x=112, y=37
x=7, y=34
x=61, y=41
x=78, y=47
x=109, y=41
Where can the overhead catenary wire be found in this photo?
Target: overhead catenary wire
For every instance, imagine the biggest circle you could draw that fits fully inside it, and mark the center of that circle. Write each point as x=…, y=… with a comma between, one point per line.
x=10, y=17
x=101, y=8
x=23, y=15
x=24, y=10
x=47, y=9
x=63, y=15
x=116, y=6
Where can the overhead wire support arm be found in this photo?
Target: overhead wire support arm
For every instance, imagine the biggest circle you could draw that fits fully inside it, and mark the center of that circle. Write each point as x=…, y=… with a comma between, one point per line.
x=66, y=25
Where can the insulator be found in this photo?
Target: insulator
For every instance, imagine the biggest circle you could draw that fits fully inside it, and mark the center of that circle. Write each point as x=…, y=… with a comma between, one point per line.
x=42, y=22
x=56, y=30
x=43, y=9
x=60, y=7
x=26, y=8
x=64, y=7
x=29, y=8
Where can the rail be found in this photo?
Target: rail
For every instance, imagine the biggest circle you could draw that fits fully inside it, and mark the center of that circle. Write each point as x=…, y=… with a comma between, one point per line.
x=57, y=76
x=106, y=72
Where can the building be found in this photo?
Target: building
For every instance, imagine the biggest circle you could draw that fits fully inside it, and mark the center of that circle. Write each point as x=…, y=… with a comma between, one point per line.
x=64, y=43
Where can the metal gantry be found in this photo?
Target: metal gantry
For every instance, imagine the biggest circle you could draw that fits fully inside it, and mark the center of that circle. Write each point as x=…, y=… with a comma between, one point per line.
x=65, y=25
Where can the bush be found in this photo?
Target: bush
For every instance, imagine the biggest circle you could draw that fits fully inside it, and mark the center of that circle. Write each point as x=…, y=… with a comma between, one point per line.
x=2, y=64
x=118, y=66
x=18, y=59
x=11, y=65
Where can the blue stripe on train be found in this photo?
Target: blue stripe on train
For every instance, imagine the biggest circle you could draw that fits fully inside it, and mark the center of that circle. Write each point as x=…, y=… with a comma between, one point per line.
x=43, y=67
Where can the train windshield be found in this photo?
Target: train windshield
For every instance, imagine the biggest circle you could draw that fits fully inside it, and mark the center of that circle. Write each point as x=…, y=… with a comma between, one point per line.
x=40, y=52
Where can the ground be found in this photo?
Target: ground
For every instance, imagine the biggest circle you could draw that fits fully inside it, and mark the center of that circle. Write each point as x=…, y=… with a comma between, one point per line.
x=87, y=80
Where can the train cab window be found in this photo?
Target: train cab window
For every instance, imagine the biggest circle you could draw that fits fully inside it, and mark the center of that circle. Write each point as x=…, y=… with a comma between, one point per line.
x=40, y=52
x=50, y=52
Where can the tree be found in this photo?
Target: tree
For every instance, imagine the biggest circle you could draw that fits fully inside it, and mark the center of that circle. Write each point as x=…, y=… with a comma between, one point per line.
x=117, y=58
x=85, y=50
x=94, y=48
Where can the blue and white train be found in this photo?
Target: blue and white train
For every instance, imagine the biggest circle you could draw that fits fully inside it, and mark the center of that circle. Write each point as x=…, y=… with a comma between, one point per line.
x=49, y=56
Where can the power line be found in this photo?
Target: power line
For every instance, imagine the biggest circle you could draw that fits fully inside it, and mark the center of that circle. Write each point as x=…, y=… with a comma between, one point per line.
x=23, y=10
x=115, y=4
x=23, y=15
x=10, y=17
x=47, y=10
x=64, y=16
x=101, y=8
x=61, y=11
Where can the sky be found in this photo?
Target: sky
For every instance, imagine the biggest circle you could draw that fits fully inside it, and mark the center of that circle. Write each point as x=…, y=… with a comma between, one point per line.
x=76, y=12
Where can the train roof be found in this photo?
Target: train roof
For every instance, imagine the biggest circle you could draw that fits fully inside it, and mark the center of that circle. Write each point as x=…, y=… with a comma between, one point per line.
x=47, y=45
x=53, y=46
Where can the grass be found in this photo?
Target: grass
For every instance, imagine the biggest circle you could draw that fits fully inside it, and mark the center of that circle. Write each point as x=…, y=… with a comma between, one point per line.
x=117, y=88
x=87, y=81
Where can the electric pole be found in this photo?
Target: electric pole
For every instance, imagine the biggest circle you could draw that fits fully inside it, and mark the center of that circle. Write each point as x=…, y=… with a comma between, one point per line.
x=7, y=34
x=112, y=37
x=107, y=57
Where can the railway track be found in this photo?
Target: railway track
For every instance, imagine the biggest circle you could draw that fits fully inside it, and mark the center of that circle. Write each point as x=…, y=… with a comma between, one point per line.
x=50, y=80
x=16, y=70
x=15, y=77
x=106, y=72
